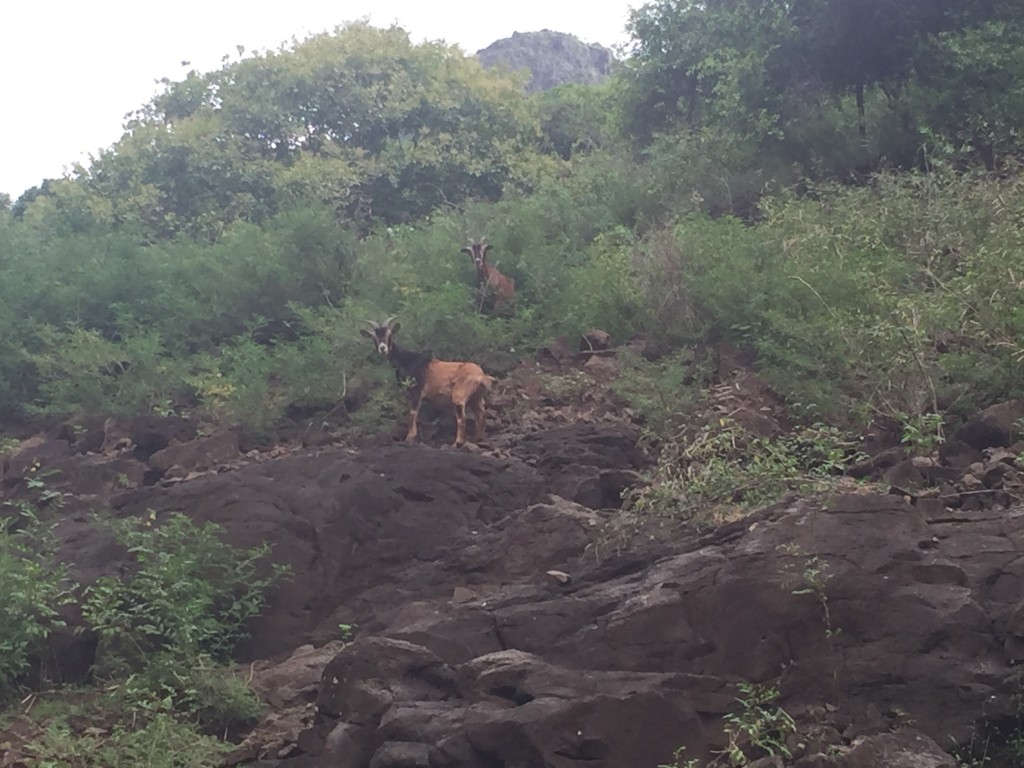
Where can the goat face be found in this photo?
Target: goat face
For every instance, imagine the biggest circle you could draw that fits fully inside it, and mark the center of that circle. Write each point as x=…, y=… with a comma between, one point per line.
x=382, y=335
x=477, y=251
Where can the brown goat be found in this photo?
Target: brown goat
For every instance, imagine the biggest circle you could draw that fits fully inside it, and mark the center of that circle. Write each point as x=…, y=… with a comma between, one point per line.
x=460, y=385
x=496, y=290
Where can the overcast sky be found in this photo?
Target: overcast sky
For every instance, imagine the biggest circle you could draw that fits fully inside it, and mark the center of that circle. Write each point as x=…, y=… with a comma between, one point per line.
x=72, y=69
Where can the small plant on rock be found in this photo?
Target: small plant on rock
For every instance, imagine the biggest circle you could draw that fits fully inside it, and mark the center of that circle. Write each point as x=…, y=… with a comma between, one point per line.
x=761, y=726
x=922, y=433
x=567, y=388
x=679, y=760
x=812, y=576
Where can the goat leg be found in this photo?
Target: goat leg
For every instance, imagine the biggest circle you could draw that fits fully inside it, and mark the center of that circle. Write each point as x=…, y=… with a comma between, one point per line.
x=414, y=415
x=460, y=425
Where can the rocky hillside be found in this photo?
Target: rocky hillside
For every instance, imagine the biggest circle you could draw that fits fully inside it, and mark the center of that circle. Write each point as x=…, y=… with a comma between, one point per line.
x=552, y=58
x=507, y=612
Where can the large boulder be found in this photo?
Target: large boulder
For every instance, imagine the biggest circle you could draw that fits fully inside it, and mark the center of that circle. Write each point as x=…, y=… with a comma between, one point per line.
x=869, y=612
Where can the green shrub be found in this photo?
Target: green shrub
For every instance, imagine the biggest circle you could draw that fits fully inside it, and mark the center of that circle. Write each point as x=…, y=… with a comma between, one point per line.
x=162, y=742
x=195, y=689
x=761, y=726
x=188, y=593
x=80, y=369
x=661, y=393
x=34, y=582
x=35, y=587
x=602, y=289
x=709, y=474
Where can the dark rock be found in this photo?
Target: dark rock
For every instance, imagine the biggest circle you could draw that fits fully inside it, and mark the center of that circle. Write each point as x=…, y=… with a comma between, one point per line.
x=38, y=451
x=348, y=526
x=401, y=754
x=362, y=681
x=887, y=458
x=996, y=426
x=603, y=368
x=639, y=653
x=199, y=454
x=906, y=476
x=958, y=454
x=145, y=435
x=84, y=433
x=586, y=463
x=906, y=748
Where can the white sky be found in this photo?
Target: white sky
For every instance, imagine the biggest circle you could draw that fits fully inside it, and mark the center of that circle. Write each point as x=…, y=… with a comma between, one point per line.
x=70, y=70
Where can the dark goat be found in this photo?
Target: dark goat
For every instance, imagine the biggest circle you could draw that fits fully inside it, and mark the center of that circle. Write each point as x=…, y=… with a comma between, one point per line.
x=460, y=385
x=492, y=284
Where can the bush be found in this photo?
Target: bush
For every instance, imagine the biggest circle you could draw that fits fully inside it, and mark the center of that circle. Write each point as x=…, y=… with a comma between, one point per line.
x=80, y=369
x=708, y=475
x=188, y=595
x=35, y=587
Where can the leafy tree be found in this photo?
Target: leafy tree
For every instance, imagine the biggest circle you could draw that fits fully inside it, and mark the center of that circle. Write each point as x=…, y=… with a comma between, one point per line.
x=40, y=190
x=695, y=61
x=971, y=90
x=576, y=119
x=396, y=130
x=725, y=61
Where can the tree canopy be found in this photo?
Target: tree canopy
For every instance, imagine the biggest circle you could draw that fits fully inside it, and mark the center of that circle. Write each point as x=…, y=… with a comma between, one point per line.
x=383, y=129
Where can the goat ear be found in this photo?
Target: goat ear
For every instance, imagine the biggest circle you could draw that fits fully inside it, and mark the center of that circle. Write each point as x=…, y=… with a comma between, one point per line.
x=395, y=327
x=487, y=248
x=367, y=333
x=467, y=250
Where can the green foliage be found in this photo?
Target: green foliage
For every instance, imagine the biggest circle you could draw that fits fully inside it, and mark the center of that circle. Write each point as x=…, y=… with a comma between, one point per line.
x=566, y=388
x=921, y=433
x=602, y=290
x=395, y=129
x=576, y=119
x=35, y=588
x=167, y=623
x=163, y=742
x=165, y=626
x=761, y=726
x=846, y=297
x=79, y=368
x=221, y=257
x=971, y=93
x=762, y=70
x=723, y=468
x=194, y=688
x=659, y=392
x=812, y=575
x=188, y=596
x=996, y=740
x=8, y=445
x=679, y=760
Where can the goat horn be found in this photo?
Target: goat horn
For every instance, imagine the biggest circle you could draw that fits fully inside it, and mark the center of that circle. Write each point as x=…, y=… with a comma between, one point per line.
x=387, y=323
x=372, y=323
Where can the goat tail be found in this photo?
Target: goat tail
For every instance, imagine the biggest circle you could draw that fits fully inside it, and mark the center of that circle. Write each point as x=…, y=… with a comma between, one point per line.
x=487, y=382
